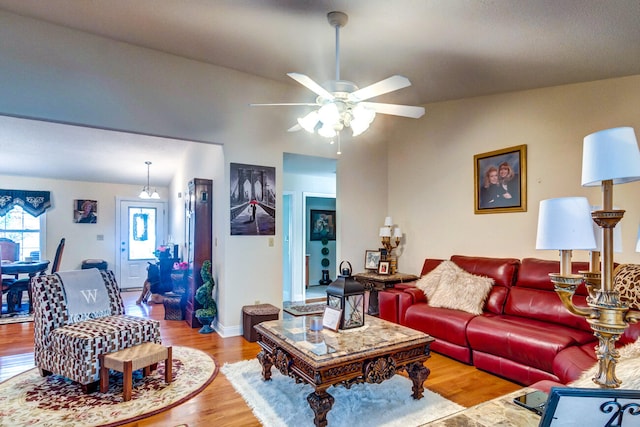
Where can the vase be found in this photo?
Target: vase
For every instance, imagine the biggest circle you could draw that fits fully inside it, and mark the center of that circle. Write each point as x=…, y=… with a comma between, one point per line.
x=325, y=278
x=205, y=321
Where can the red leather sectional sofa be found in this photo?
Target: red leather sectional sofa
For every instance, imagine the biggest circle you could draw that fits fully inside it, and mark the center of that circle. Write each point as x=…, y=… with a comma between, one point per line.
x=525, y=334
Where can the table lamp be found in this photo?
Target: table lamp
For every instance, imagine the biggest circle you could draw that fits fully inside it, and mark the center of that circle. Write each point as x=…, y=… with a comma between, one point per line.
x=609, y=157
x=386, y=232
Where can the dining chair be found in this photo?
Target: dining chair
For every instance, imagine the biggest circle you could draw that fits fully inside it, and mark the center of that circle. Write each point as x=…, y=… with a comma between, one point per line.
x=21, y=285
x=58, y=258
x=6, y=285
x=9, y=250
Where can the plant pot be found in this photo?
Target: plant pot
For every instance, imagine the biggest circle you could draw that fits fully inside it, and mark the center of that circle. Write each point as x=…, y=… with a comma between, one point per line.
x=206, y=324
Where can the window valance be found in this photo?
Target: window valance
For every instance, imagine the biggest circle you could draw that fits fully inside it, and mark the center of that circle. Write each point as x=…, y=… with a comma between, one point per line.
x=33, y=202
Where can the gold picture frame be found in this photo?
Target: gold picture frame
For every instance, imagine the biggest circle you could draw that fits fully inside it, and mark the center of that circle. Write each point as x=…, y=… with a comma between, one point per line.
x=500, y=181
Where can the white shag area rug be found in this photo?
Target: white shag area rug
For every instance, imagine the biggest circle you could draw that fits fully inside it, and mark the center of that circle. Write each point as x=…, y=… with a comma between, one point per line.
x=282, y=402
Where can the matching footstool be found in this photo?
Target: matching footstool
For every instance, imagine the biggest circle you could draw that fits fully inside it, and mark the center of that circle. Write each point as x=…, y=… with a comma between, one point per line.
x=145, y=355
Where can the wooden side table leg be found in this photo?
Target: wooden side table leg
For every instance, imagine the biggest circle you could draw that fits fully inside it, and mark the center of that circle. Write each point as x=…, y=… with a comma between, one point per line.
x=168, y=367
x=127, y=380
x=104, y=375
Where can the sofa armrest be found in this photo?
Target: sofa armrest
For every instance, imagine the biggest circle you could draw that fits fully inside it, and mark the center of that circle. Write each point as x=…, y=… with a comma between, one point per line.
x=416, y=294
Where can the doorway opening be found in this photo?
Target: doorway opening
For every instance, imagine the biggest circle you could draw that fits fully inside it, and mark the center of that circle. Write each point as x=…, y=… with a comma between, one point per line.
x=313, y=179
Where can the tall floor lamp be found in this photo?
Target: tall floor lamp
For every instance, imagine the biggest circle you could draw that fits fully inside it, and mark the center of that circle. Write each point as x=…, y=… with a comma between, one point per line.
x=610, y=157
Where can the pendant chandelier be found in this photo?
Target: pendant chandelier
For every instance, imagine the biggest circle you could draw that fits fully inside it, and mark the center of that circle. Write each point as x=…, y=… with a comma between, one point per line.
x=146, y=190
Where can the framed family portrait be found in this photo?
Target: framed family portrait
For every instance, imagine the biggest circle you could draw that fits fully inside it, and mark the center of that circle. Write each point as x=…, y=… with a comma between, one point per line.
x=500, y=181
x=371, y=259
x=322, y=225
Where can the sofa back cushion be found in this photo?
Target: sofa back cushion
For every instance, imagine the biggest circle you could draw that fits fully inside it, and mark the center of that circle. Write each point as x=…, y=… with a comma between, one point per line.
x=544, y=306
x=533, y=295
x=534, y=274
x=430, y=264
x=503, y=271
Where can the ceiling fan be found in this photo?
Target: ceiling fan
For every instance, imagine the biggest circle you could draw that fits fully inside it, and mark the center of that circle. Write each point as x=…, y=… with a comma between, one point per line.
x=341, y=103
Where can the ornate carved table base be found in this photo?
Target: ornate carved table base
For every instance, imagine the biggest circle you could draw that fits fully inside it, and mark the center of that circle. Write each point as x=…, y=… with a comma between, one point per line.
x=371, y=355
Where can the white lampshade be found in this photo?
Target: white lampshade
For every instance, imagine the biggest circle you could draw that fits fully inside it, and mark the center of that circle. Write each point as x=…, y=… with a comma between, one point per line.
x=144, y=194
x=565, y=224
x=610, y=154
x=385, y=232
x=397, y=232
x=388, y=221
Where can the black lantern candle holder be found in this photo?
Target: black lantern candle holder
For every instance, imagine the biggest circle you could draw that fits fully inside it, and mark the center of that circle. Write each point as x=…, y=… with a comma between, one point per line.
x=347, y=295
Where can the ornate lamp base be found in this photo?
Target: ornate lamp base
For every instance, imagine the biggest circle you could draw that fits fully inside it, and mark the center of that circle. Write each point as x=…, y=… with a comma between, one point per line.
x=606, y=316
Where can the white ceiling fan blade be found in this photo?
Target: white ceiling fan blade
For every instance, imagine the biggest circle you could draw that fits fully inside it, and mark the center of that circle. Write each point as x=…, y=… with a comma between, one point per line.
x=383, y=86
x=395, y=109
x=310, y=104
x=294, y=128
x=307, y=82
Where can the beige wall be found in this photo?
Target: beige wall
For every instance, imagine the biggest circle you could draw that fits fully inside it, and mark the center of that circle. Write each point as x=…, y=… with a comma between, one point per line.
x=431, y=168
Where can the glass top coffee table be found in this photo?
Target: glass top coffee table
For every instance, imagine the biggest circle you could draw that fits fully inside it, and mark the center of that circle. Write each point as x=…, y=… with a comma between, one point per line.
x=372, y=353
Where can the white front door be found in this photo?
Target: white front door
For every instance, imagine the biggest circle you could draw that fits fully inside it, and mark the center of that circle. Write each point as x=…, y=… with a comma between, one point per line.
x=142, y=230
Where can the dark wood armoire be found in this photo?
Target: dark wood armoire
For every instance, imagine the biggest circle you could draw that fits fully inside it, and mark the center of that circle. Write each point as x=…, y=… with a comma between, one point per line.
x=198, y=217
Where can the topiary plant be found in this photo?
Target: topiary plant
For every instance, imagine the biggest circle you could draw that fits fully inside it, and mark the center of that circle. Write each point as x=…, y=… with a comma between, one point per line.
x=204, y=294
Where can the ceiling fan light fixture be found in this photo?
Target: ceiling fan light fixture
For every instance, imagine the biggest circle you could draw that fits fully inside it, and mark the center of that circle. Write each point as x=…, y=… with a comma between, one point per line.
x=358, y=127
x=329, y=114
x=327, y=131
x=362, y=113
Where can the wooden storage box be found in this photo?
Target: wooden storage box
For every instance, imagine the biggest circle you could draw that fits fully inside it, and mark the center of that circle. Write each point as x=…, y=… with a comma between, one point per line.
x=254, y=314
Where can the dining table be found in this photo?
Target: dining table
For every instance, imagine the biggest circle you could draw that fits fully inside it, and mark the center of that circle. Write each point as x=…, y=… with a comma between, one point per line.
x=30, y=268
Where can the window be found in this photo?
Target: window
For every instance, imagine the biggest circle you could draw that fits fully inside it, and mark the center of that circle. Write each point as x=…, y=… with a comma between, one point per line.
x=142, y=233
x=25, y=229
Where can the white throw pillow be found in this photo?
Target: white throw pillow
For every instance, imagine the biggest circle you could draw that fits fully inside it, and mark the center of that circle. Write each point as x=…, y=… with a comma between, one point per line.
x=627, y=370
x=460, y=290
x=430, y=281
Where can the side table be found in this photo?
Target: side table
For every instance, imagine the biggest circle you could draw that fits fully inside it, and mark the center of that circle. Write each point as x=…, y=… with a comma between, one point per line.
x=374, y=282
x=145, y=355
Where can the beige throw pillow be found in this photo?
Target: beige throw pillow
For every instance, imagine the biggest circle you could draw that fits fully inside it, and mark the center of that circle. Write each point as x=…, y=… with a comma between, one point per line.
x=430, y=281
x=461, y=290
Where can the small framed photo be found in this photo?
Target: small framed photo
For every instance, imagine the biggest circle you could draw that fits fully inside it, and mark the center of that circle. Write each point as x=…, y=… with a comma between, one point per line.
x=331, y=318
x=383, y=267
x=500, y=181
x=85, y=211
x=371, y=259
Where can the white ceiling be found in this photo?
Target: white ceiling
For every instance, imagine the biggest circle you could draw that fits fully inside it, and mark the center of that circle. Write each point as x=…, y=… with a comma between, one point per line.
x=449, y=49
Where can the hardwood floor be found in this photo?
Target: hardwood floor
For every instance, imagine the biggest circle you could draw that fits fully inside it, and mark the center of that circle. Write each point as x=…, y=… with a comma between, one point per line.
x=219, y=404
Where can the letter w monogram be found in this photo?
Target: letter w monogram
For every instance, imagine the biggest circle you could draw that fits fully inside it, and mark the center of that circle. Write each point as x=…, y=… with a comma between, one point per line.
x=89, y=295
